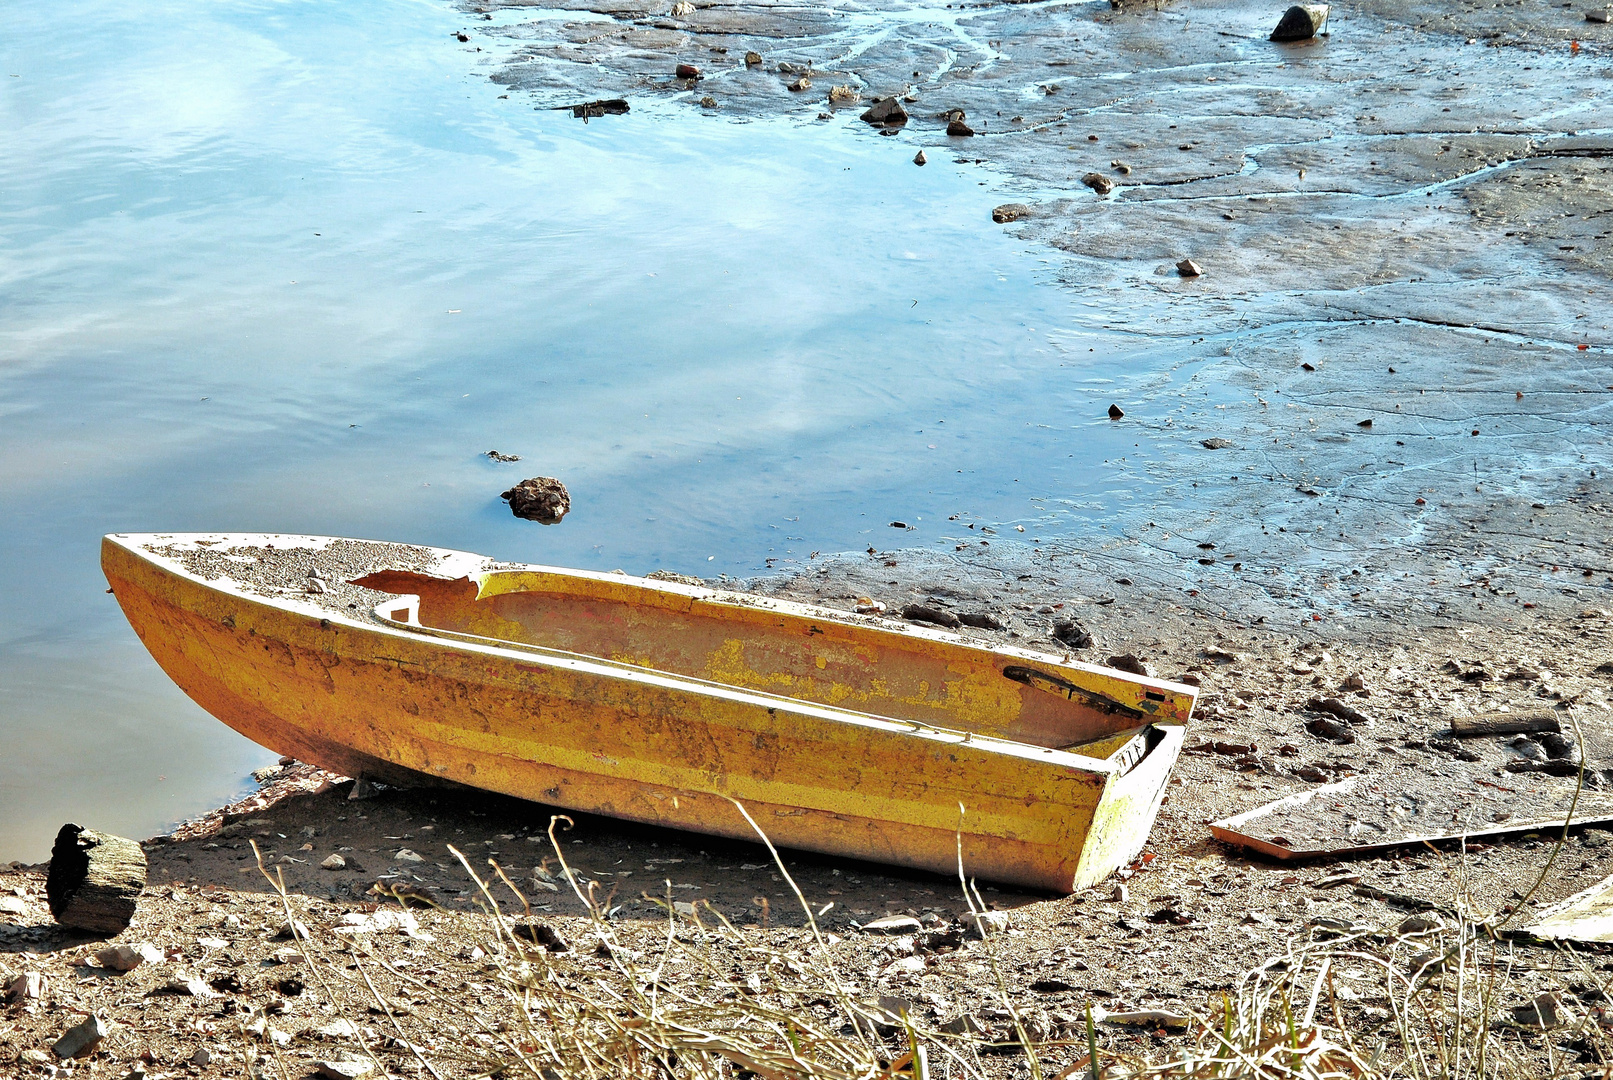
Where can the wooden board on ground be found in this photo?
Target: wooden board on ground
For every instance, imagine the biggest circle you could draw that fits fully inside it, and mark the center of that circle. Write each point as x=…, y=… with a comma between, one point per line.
x=1360, y=815
x=1585, y=916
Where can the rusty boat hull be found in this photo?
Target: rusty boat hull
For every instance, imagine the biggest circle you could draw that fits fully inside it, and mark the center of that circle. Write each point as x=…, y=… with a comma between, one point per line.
x=660, y=702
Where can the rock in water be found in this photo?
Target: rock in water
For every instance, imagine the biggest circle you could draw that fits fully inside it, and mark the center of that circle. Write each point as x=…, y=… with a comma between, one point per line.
x=1301, y=22
x=753, y=59
x=1098, y=182
x=885, y=111
x=1116, y=412
x=94, y=880
x=1189, y=268
x=608, y=107
x=542, y=499
x=958, y=129
x=919, y=158
x=686, y=71
x=1009, y=212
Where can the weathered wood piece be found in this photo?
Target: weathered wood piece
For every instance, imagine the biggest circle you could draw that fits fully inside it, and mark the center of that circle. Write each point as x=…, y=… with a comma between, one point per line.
x=1468, y=727
x=94, y=880
x=1354, y=817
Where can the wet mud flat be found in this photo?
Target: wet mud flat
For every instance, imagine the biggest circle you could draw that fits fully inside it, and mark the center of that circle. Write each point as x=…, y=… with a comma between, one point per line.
x=1395, y=359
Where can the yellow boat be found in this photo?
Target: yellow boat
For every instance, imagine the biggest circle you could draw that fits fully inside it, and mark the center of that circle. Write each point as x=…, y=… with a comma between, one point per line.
x=659, y=702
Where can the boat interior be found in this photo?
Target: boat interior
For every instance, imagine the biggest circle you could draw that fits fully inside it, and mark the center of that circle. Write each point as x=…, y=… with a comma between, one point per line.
x=876, y=670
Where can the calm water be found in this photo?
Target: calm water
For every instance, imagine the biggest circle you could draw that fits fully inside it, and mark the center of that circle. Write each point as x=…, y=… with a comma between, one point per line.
x=295, y=266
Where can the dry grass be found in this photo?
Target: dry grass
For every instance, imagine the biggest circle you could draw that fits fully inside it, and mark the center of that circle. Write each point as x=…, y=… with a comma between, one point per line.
x=1435, y=999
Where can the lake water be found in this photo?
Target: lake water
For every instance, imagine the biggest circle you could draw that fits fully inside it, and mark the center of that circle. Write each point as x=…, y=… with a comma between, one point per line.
x=295, y=266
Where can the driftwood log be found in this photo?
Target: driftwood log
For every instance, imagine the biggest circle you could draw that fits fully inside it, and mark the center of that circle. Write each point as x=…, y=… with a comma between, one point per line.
x=94, y=880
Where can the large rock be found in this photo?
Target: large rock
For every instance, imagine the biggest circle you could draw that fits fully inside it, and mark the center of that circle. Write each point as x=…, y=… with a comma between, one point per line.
x=542, y=499
x=81, y=1040
x=1301, y=22
x=887, y=112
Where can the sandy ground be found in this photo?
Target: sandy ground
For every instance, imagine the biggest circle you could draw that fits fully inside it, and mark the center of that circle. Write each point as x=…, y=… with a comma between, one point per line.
x=1405, y=222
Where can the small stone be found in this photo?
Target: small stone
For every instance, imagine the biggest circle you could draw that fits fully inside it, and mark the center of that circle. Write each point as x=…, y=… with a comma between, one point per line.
x=1120, y=167
x=753, y=59
x=1189, y=268
x=294, y=929
x=708, y=102
x=683, y=907
x=1301, y=22
x=893, y=924
x=191, y=987
x=682, y=8
x=1131, y=663
x=886, y=112
x=128, y=957
x=268, y=772
x=1332, y=730
x=958, y=129
x=919, y=158
x=343, y=1070
x=29, y=986
x=1070, y=633
x=1417, y=924
x=843, y=95
x=542, y=499
x=334, y=862
x=1557, y=745
x=800, y=85
x=921, y=613
x=989, y=922
x=1216, y=443
x=1098, y=182
x=203, y=1057
x=405, y=855
x=1544, y=1012
x=1119, y=894
x=686, y=71
x=964, y=1025
x=1115, y=412
x=1009, y=212
x=81, y=1040
x=1354, y=683
x=1599, y=15
x=286, y=759
x=340, y=1028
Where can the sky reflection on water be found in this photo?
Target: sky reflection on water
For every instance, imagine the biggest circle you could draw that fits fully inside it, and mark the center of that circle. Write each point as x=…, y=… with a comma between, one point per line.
x=294, y=267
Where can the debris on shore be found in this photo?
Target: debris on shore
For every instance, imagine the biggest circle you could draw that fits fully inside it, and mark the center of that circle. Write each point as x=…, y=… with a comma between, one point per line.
x=1301, y=23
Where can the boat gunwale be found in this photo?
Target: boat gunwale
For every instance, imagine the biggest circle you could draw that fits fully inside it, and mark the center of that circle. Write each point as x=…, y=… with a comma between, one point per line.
x=322, y=616
x=486, y=568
